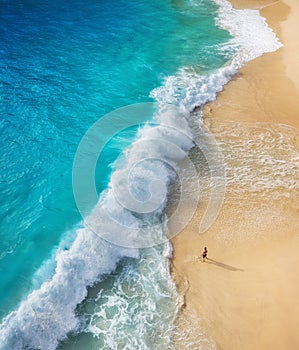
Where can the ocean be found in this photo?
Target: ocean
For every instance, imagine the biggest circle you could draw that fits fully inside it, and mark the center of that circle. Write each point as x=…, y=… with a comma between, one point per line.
x=102, y=280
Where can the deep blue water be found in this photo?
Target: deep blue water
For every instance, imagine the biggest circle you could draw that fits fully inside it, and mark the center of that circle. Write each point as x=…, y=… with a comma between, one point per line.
x=63, y=65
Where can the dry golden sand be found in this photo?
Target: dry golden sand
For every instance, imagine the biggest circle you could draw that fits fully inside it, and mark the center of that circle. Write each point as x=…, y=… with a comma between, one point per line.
x=246, y=295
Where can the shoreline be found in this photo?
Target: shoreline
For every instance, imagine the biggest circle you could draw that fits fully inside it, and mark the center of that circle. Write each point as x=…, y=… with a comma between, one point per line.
x=245, y=295
x=266, y=89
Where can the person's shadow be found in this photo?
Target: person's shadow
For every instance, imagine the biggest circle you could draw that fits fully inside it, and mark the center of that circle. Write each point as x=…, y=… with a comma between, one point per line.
x=224, y=266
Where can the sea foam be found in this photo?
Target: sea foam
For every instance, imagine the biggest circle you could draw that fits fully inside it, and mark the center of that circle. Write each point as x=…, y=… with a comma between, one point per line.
x=251, y=38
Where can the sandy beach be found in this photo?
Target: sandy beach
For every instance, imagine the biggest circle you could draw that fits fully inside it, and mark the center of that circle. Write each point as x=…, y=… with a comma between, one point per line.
x=245, y=295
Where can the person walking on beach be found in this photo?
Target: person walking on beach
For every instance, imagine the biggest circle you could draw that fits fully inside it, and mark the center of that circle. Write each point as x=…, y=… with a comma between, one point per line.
x=205, y=254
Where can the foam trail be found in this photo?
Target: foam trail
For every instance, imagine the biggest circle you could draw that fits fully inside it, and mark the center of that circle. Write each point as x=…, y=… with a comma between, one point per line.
x=144, y=303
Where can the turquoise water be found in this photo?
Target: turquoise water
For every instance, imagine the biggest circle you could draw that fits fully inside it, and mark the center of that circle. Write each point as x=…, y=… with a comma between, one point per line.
x=62, y=67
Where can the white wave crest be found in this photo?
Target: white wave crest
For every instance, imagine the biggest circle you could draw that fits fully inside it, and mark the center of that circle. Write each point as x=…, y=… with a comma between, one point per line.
x=48, y=314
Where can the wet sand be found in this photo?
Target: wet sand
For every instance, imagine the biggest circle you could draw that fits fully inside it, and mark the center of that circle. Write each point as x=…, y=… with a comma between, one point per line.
x=245, y=294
